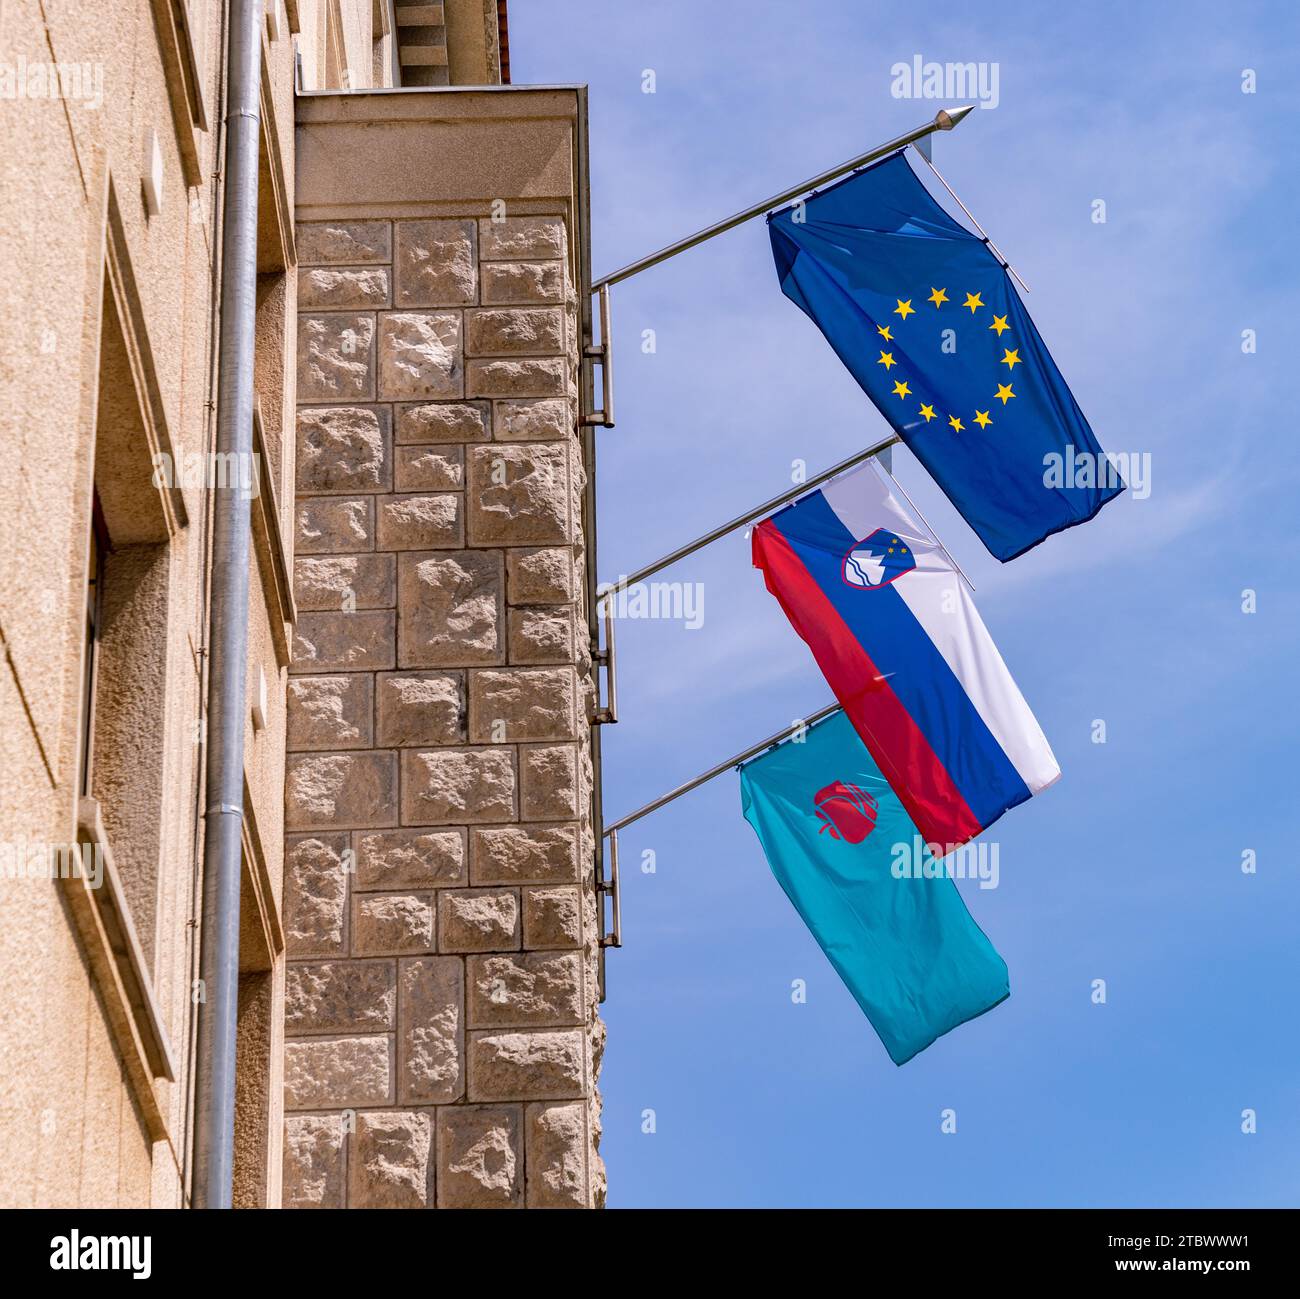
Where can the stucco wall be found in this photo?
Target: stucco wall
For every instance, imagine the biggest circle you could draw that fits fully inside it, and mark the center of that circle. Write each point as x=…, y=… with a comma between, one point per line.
x=71, y=200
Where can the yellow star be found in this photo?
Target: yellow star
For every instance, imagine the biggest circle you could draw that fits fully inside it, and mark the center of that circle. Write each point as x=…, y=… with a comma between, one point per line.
x=1004, y=393
x=973, y=300
x=982, y=418
x=938, y=296
x=1011, y=357
x=999, y=325
x=904, y=309
x=927, y=412
x=883, y=331
x=900, y=388
x=886, y=359
x=957, y=425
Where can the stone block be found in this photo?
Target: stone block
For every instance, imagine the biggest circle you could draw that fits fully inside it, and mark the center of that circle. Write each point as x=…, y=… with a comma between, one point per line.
x=478, y=920
x=315, y=894
x=557, y=1147
x=410, y=859
x=548, y=782
x=525, y=1066
x=540, y=576
x=515, y=282
x=337, y=1072
x=344, y=449
x=528, y=990
x=344, y=583
x=340, y=997
x=420, y=355
x=514, y=331
x=333, y=525
x=515, y=705
x=339, y=790
x=419, y=522
x=429, y=468
x=431, y=1032
x=436, y=263
x=546, y=419
x=452, y=609
x=336, y=357
x=539, y=377
x=313, y=1162
x=392, y=924
x=418, y=708
x=552, y=917
x=515, y=854
x=541, y=635
x=524, y=238
x=453, y=421
x=344, y=642
x=332, y=712
x=458, y=786
x=518, y=494
x=331, y=289
x=342, y=242
x=480, y=1157
x=388, y=1163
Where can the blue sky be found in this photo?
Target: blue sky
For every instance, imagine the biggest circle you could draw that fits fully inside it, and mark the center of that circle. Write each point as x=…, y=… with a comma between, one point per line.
x=1129, y=870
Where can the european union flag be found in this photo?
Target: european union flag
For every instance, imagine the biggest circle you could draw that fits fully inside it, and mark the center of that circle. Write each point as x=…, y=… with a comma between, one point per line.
x=886, y=914
x=929, y=323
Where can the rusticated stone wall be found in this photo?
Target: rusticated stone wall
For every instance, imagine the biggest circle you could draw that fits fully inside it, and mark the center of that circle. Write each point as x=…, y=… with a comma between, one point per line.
x=442, y=1033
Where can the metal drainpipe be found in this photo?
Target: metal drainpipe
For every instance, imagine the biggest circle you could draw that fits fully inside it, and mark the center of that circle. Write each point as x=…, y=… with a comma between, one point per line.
x=214, y=1136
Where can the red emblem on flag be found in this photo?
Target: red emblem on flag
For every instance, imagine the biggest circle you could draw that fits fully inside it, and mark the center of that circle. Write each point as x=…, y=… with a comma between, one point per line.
x=847, y=811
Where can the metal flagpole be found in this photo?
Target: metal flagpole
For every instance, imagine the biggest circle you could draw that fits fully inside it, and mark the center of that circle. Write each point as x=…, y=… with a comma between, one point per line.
x=759, y=512
x=993, y=248
x=944, y=120
x=735, y=761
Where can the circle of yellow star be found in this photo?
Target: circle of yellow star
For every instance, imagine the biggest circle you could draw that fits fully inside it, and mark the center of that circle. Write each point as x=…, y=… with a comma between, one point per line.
x=927, y=412
x=900, y=388
x=982, y=418
x=957, y=425
x=999, y=325
x=1004, y=393
x=883, y=331
x=1011, y=357
x=973, y=300
x=938, y=296
x=904, y=309
x=886, y=359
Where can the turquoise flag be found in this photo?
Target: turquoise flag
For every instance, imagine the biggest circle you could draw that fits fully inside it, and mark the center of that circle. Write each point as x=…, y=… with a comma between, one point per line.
x=841, y=846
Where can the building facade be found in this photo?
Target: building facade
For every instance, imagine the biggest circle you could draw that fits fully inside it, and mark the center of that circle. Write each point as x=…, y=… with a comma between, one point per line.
x=419, y=923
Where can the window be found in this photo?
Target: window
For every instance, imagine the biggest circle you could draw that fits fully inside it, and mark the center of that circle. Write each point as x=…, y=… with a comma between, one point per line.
x=99, y=548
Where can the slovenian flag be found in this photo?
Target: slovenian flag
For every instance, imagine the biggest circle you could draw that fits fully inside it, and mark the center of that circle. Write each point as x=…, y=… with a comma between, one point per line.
x=896, y=634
